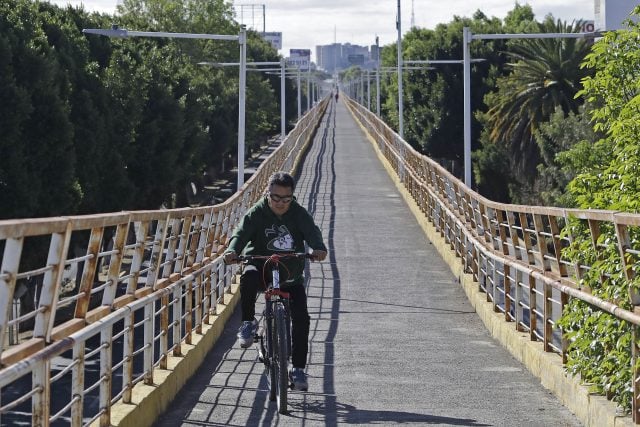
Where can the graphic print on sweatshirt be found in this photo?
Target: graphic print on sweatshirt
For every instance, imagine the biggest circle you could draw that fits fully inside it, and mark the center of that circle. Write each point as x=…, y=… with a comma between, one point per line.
x=281, y=238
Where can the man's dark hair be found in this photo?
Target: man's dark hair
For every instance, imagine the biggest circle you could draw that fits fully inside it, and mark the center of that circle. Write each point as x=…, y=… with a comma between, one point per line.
x=282, y=179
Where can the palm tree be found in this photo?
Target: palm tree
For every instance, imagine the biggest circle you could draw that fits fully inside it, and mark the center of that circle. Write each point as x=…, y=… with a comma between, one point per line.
x=546, y=75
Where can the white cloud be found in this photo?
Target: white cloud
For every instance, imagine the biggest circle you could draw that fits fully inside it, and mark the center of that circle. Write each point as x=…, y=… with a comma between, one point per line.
x=307, y=23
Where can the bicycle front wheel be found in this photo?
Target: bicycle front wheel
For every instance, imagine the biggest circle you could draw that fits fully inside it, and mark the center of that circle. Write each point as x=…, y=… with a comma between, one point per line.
x=281, y=357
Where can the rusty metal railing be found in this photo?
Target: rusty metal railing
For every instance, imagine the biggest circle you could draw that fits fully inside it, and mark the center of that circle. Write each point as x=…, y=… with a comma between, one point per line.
x=92, y=305
x=514, y=252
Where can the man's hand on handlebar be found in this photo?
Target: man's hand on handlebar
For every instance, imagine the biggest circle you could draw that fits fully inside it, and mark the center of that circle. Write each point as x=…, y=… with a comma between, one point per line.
x=230, y=257
x=318, y=255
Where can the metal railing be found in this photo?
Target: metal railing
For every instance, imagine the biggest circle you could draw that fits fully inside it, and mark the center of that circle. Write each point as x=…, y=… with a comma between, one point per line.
x=514, y=252
x=92, y=305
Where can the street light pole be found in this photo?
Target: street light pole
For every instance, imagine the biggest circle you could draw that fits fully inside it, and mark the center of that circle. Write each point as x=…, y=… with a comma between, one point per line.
x=361, y=87
x=283, y=76
x=466, y=71
x=378, y=77
x=299, y=100
x=368, y=91
x=282, y=71
x=241, y=107
x=400, y=101
x=467, y=38
x=309, y=86
x=242, y=41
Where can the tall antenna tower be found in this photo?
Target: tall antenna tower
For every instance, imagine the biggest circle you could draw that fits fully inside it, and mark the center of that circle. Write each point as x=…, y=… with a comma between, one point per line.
x=413, y=16
x=251, y=16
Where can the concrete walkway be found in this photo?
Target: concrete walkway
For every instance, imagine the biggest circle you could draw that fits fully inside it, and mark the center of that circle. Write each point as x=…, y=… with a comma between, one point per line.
x=393, y=338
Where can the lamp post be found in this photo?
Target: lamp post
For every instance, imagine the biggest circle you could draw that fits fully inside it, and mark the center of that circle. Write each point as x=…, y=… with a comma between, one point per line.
x=283, y=122
x=400, y=101
x=309, y=86
x=378, y=77
x=241, y=38
x=368, y=91
x=299, y=100
x=281, y=63
x=467, y=38
x=361, y=87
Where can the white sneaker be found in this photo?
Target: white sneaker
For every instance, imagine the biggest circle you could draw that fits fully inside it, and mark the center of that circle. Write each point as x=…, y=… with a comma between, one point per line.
x=246, y=333
x=298, y=379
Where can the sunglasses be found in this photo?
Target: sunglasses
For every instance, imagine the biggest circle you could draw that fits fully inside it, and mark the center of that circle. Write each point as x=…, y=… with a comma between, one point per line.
x=283, y=199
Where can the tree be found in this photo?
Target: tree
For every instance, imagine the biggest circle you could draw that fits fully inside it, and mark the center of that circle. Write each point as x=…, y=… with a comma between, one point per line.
x=566, y=143
x=545, y=76
x=609, y=178
x=37, y=166
x=432, y=98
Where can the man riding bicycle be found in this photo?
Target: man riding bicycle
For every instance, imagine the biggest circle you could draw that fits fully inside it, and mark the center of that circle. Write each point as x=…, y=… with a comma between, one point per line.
x=277, y=224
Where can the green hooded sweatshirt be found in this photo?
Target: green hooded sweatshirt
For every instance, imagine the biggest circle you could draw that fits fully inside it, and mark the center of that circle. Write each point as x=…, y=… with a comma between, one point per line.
x=261, y=232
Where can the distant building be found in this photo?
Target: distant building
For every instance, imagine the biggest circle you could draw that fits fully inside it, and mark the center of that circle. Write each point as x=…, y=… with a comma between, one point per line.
x=610, y=14
x=339, y=56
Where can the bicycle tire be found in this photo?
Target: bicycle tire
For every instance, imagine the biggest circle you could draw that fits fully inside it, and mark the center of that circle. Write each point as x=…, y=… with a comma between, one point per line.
x=271, y=352
x=281, y=358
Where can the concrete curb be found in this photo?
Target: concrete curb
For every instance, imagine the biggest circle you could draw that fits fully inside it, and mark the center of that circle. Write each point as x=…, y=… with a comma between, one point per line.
x=592, y=410
x=150, y=401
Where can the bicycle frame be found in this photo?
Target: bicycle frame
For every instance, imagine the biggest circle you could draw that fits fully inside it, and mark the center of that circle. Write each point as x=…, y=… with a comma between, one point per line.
x=275, y=341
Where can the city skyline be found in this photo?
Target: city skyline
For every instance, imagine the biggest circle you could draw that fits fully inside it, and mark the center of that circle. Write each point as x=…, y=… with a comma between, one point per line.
x=360, y=21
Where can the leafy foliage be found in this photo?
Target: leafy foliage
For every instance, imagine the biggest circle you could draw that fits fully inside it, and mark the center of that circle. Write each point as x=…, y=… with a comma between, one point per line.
x=608, y=178
x=91, y=124
x=562, y=157
x=36, y=129
x=432, y=96
x=545, y=78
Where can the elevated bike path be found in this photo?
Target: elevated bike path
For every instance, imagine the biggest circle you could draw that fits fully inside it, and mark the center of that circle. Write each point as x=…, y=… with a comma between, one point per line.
x=394, y=339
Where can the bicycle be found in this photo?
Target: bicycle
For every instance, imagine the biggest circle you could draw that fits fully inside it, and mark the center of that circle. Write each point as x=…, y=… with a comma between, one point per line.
x=274, y=347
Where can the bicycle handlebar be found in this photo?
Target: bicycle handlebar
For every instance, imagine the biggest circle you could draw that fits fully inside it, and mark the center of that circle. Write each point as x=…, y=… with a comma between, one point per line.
x=274, y=257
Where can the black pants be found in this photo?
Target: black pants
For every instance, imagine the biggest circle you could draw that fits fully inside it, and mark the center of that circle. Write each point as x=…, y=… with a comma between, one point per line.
x=250, y=283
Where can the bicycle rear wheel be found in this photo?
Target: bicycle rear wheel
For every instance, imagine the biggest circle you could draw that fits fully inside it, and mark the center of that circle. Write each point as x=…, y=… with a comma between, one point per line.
x=281, y=356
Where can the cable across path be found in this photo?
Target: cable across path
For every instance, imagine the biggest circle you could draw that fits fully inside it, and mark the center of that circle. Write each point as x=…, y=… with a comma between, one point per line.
x=393, y=337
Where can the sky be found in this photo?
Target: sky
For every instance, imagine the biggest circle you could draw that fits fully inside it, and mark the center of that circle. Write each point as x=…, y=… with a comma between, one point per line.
x=307, y=23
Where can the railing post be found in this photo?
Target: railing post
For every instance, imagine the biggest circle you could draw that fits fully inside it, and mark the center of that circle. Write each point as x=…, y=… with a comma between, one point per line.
x=127, y=357
x=519, y=310
x=507, y=293
x=10, y=265
x=564, y=300
x=115, y=264
x=141, y=232
x=635, y=377
x=106, y=376
x=513, y=234
x=164, y=329
x=548, y=328
x=533, y=308
x=526, y=237
x=561, y=268
x=77, y=384
x=45, y=319
x=541, y=240
x=500, y=218
x=40, y=408
x=176, y=319
x=149, y=348
x=188, y=312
